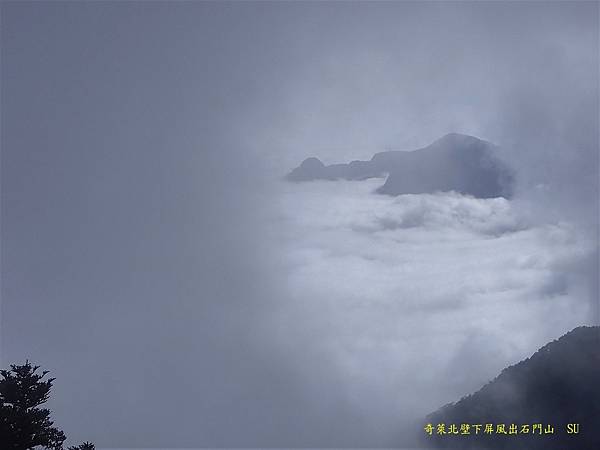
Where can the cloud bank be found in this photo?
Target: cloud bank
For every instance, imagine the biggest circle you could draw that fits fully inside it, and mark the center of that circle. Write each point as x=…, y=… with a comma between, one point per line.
x=417, y=300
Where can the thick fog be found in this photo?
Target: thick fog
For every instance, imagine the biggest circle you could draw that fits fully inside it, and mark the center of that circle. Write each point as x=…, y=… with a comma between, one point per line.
x=184, y=295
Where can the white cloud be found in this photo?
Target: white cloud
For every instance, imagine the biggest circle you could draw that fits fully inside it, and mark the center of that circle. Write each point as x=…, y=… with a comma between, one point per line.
x=419, y=299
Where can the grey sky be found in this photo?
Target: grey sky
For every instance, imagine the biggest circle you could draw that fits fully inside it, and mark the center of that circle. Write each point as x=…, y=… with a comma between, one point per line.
x=140, y=141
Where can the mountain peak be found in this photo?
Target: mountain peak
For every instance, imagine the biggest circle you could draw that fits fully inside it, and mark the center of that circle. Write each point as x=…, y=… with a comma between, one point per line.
x=455, y=162
x=459, y=141
x=312, y=163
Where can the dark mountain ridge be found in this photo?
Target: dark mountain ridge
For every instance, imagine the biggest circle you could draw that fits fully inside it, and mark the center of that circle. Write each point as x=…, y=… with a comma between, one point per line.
x=558, y=385
x=455, y=162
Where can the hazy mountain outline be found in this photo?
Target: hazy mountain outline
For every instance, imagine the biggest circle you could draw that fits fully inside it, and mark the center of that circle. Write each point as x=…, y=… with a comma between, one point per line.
x=455, y=162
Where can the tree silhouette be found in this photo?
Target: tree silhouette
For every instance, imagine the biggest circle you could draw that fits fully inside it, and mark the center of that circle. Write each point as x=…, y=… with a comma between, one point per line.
x=23, y=424
x=84, y=446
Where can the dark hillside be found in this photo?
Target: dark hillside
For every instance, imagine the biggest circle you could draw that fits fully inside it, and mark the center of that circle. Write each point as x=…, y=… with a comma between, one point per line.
x=557, y=386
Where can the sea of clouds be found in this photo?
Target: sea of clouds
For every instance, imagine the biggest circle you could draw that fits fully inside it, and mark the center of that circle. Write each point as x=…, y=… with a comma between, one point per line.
x=409, y=302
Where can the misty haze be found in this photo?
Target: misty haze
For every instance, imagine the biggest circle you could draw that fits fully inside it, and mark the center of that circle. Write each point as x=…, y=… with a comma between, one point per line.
x=300, y=224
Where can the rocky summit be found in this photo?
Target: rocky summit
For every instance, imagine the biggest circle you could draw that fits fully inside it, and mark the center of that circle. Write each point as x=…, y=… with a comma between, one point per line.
x=455, y=162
